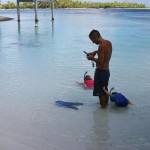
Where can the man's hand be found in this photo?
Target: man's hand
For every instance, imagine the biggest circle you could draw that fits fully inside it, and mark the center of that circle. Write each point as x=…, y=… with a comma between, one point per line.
x=90, y=57
x=93, y=53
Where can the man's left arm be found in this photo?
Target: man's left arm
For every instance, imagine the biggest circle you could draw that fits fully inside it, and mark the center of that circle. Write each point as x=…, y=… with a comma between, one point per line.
x=100, y=58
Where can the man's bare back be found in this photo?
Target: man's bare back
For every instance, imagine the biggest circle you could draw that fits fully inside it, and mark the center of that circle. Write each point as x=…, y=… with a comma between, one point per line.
x=104, y=55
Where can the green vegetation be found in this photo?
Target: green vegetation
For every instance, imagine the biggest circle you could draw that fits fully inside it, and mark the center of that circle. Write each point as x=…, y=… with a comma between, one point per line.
x=9, y=5
x=79, y=4
x=74, y=4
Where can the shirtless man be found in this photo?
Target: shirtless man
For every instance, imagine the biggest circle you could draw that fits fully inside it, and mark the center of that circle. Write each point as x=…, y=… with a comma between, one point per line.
x=102, y=73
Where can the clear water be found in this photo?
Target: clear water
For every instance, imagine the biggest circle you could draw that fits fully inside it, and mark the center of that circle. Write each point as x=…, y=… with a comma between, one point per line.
x=41, y=65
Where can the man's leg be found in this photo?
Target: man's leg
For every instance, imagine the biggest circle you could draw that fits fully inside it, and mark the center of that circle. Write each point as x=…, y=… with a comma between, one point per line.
x=103, y=101
x=107, y=98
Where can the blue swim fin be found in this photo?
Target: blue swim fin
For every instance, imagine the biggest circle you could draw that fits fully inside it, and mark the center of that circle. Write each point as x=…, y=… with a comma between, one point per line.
x=68, y=104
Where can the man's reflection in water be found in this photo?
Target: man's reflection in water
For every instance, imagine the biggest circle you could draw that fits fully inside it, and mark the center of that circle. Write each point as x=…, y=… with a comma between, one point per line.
x=99, y=138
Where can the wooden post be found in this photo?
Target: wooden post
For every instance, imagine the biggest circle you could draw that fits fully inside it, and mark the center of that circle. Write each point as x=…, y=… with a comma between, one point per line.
x=52, y=7
x=36, y=17
x=18, y=10
x=19, y=27
x=35, y=9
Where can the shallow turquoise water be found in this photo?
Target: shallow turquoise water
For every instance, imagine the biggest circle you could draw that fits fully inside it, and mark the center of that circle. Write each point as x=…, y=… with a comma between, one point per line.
x=41, y=65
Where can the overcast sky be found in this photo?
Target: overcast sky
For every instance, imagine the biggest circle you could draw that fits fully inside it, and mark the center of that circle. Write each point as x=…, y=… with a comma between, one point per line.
x=147, y=2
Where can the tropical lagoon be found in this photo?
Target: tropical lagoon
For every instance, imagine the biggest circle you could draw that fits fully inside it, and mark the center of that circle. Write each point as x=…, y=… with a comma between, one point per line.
x=39, y=65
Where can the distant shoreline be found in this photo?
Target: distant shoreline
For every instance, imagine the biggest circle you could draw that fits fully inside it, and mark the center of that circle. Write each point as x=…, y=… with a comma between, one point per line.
x=73, y=8
x=5, y=18
x=75, y=4
x=100, y=8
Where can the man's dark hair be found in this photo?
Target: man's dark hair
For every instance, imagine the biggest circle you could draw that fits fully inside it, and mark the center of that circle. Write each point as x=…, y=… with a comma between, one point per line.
x=94, y=32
